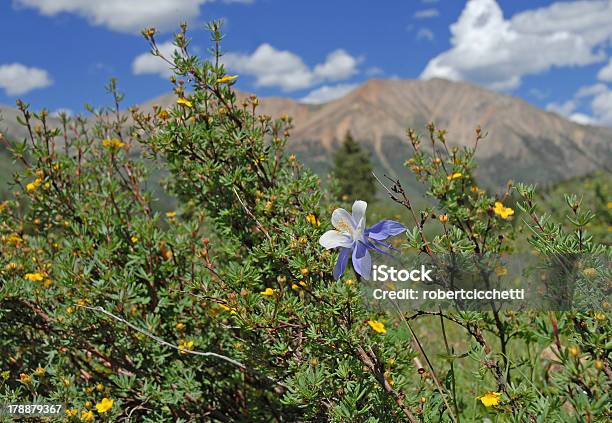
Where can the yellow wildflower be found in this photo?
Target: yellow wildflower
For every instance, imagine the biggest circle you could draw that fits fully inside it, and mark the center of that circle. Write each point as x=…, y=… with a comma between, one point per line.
x=104, y=405
x=574, y=351
x=163, y=115
x=599, y=316
x=443, y=218
x=610, y=204
x=11, y=266
x=501, y=271
x=501, y=211
x=268, y=292
x=180, y=326
x=589, y=272
x=87, y=416
x=39, y=371
x=304, y=271
x=453, y=176
x=134, y=239
x=378, y=327
x=349, y=282
x=232, y=310
x=295, y=286
x=171, y=215
x=100, y=387
x=33, y=185
x=14, y=239
x=313, y=220
x=185, y=345
x=184, y=102
x=71, y=412
x=25, y=378
x=34, y=277
x=490, y=399
x=226, y=78
x=292, y=158
x=115, y=142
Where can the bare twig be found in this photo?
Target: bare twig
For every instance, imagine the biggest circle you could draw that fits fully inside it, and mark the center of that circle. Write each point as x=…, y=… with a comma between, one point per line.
x=252, y=216
x=168, y=344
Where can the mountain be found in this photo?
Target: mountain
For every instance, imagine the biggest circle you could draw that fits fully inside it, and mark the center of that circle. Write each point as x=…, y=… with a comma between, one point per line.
x=524, y=143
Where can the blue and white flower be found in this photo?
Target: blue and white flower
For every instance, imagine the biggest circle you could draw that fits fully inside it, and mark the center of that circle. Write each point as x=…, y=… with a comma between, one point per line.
x=353, y=238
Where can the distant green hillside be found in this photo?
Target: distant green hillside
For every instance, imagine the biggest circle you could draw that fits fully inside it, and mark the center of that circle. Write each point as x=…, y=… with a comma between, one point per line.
x=7, y=168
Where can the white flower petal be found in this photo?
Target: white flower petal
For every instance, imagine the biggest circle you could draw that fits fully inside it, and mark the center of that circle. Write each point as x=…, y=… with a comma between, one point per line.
x=335, y=239
x=359, y=211
x=343, y=221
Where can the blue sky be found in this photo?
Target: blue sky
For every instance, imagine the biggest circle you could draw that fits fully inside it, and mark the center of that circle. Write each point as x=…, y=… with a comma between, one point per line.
x=555, y=54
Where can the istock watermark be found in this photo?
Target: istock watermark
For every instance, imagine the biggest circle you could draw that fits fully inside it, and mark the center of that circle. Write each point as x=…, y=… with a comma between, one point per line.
x=481, y=282
x=384, y=273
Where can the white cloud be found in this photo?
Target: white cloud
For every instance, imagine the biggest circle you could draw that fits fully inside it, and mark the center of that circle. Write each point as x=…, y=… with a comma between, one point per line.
x=600, y=103
x=582, y=119
x=425, y=34
x=497, y=52
x=591, y=90
x=602, y=107
x=328, y=93
x=564, y=109
x=287, y=70
x=17, y=79
x=605, y=73
x=338, y=65
x=58, y=112
x=374, y=71
x=125, y=15
x=146, y=63
x=426, y=13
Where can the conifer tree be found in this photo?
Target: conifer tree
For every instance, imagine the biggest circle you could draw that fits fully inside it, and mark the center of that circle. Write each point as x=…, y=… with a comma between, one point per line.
x=353, y=171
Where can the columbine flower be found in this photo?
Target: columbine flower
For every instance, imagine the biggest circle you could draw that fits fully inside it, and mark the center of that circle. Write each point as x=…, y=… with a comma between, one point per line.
x=104, y=405
x=502, y=211
x=351, y=236
x=378, y=327
x=490, y=399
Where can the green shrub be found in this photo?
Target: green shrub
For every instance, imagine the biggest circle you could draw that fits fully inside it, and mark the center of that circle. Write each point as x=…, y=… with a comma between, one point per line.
x=227, y=309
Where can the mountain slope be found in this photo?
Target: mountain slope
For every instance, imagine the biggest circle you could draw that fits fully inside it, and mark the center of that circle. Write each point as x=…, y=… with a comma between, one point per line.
x=525, y=143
